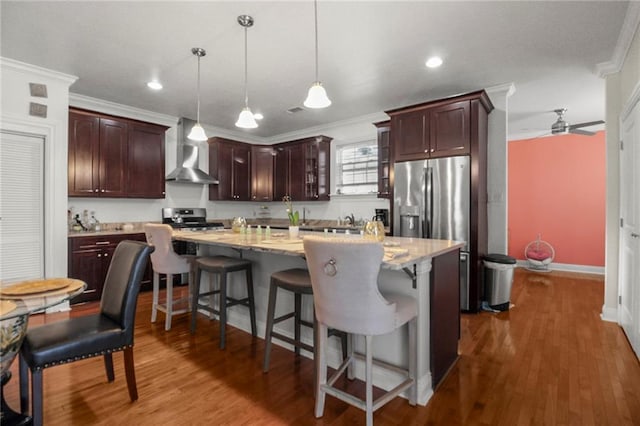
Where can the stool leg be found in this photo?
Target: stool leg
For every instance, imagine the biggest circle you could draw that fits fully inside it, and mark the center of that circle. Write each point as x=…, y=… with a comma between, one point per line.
x=271, y=312
x=194, y=303
x=156, y=291
x=321, y=367
x=350, y=373
x=223, y=309
x=169, y=303
x=252, y=305
x=214, y=279
x=369, y=379
x=296, y=320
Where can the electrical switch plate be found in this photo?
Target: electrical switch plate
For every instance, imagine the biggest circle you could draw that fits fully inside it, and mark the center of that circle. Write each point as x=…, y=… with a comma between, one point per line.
x=38, y=90
x=37, y=110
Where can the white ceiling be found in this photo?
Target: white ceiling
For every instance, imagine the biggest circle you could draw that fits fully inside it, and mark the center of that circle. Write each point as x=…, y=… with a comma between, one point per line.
x=371, y=55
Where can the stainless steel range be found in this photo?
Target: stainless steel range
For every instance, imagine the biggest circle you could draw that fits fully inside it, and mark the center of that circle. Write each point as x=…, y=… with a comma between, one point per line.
x=191, y=219
x=194, y=219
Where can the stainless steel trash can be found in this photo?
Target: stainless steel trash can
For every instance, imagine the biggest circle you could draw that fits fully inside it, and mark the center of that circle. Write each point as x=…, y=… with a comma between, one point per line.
x=498, y=279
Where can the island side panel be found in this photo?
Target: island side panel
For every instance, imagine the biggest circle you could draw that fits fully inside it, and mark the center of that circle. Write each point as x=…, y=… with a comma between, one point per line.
x=445, y=314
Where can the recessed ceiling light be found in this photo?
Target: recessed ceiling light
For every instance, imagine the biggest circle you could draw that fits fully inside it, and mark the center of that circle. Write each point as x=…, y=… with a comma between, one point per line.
x=258, y=116
x=434, y=62
x=155, y=85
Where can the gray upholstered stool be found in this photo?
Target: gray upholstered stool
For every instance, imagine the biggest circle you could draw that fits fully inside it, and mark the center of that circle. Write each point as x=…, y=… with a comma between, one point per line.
x=298, y=282
x=221, y=266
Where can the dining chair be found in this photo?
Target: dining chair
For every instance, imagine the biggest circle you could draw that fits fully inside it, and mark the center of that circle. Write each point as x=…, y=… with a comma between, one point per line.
x=344, y=275
x=164, y=260
x=110, y=330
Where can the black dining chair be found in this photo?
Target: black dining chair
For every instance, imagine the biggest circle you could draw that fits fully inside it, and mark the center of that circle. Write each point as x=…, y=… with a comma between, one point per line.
x=88, y=336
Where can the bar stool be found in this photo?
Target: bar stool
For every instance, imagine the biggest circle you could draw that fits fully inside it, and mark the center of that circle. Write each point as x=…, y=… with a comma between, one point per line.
x=221, y=266
x=298, y=282
x=344, y=276
x=165, y=261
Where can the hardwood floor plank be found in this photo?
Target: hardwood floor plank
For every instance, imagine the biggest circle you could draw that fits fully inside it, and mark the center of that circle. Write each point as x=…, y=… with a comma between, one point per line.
x=550, y=360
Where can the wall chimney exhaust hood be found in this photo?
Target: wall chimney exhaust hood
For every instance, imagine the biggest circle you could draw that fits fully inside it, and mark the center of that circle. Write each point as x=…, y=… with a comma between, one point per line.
x=187, y=170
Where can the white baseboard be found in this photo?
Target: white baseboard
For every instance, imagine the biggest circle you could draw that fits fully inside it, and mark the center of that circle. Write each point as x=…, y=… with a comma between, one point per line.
x=585, y=269
x=609, y=314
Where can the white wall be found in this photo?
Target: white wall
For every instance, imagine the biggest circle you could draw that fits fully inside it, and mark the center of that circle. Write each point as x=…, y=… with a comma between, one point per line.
x=14, y=116
x=497, y=173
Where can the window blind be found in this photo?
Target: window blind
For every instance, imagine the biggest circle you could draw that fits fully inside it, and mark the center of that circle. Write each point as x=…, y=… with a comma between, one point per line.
x=21, y=206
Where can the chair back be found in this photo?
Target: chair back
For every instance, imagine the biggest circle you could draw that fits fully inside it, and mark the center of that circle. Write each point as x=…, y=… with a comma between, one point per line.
x=344, y=276
x=163, y=258
x=122, y=284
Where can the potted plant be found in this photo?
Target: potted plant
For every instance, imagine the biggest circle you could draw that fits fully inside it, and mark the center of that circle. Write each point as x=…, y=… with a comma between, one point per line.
x=294, y=217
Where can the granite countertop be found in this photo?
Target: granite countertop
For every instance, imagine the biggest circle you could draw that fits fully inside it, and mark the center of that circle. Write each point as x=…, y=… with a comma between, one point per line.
x=400, y=252
x=310, y=225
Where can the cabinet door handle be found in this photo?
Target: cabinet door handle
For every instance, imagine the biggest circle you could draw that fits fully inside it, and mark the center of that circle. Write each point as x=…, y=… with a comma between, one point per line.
x=99, y=255
x=96, y=190
x=634, y=235
x=102, y=243
x=102, y=190
x=106, y=255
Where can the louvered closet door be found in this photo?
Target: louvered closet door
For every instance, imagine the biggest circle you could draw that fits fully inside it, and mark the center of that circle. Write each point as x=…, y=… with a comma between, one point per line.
x=21, y=207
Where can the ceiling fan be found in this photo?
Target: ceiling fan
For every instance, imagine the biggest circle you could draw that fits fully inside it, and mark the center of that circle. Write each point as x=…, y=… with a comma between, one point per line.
x=561, y=127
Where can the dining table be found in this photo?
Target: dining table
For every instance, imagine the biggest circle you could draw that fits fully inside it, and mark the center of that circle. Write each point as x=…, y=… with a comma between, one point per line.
x=18, y=300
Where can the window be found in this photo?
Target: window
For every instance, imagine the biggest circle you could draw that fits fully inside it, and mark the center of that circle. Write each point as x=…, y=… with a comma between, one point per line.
x=357, y=168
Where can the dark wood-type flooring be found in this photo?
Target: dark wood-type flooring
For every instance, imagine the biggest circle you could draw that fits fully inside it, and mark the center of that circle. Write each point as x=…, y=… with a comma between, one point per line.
x=549, y=360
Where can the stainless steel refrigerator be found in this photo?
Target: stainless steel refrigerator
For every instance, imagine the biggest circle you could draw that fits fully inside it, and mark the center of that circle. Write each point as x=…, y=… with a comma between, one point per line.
x=432, y=199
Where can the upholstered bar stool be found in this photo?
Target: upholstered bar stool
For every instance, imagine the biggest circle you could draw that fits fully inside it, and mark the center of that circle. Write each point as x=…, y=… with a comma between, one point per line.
x=298, y=282
x=221, y=266
x=166, y=261
x=344, y=276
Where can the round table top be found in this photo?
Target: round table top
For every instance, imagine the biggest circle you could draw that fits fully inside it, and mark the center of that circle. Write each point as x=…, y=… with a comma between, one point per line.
x=25, y=297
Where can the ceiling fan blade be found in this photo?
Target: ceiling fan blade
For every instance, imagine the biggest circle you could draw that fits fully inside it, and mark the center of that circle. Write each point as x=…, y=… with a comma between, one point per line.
x=581, y=132
x=587, y=124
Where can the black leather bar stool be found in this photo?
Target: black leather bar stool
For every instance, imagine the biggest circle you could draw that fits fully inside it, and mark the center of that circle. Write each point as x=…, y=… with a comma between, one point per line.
x=298, y=282
x=222, y=266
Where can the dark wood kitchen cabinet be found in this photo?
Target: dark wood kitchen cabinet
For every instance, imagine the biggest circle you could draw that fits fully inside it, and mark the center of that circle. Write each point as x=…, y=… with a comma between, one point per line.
x=114, y=157
x=89, y=259
x=145, y=171
x=302, y=169
x=384, y=159
x=449, y=127
x=230, y=162
x=262, y=160
x=432, y=130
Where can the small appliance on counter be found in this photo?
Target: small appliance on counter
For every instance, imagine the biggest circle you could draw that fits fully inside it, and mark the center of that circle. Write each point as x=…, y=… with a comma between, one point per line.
x=383, y=216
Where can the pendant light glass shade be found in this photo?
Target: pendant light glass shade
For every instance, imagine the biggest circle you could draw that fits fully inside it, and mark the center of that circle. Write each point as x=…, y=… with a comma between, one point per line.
x=317, y=96
x=197, y=132
x=246, y=119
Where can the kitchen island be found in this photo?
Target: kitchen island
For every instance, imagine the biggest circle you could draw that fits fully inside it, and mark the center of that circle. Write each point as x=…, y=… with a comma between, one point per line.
x=426, y=269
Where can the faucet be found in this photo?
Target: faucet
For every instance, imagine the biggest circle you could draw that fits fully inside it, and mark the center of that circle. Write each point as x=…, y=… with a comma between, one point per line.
x=304, y=215
x=351, y=219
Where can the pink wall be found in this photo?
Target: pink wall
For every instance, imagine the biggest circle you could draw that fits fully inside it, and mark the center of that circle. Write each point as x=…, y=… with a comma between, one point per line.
x=557, y=189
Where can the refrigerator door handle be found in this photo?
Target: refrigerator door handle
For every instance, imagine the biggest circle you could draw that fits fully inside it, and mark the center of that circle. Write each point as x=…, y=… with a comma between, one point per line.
x=428, y=201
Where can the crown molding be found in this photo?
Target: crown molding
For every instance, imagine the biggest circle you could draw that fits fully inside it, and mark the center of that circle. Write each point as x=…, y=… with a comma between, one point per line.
x=107, y=107
x=322, y=129
x=24, y=67
x=508, y=88
x=625, y=38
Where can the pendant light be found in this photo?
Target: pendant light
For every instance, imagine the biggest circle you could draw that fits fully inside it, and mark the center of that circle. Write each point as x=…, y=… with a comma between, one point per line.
x=317, y=96
x=246, y=119
x=197, y=132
